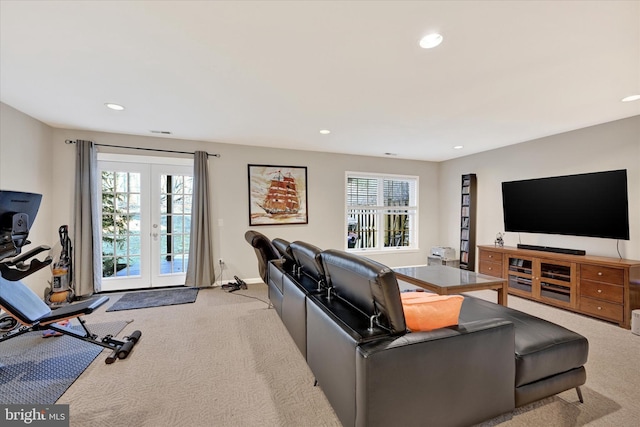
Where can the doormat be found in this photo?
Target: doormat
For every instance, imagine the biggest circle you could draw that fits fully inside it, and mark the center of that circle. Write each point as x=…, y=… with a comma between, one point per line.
x=159, y=298
x=37, y=370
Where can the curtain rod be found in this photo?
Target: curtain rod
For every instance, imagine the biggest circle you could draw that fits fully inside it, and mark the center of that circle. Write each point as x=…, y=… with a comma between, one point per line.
x=69, y=141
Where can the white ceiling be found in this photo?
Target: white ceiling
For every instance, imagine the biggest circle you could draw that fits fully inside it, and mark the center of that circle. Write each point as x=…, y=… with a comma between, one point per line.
x=273, y=73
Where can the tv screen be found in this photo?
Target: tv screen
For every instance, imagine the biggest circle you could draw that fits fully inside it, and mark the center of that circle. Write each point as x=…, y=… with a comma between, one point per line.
x=590, y=204
x=17, y=212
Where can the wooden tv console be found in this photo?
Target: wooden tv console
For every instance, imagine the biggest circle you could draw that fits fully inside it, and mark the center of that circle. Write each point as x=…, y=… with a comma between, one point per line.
x=602, y=287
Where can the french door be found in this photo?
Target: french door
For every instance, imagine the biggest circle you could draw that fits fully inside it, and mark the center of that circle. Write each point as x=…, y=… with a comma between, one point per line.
x=146, y=220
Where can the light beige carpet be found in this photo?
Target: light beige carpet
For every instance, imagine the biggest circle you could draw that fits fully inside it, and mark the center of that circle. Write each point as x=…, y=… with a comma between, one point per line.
x=612, y=391
x=227, y=360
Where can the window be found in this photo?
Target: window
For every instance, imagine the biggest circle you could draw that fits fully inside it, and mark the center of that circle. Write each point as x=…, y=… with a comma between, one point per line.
x=382, y=211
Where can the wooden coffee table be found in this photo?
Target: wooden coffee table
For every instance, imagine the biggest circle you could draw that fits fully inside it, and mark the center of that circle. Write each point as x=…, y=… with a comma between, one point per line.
x=445, y=280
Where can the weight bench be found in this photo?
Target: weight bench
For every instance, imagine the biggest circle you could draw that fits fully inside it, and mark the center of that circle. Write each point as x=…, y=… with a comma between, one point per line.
x=17, y=212
x=21, y=303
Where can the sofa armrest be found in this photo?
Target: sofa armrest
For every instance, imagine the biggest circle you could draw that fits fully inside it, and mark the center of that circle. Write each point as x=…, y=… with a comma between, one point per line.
x=450, y=376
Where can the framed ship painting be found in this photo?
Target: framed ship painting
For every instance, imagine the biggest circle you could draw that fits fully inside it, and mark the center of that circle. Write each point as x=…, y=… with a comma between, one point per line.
x=277, y=195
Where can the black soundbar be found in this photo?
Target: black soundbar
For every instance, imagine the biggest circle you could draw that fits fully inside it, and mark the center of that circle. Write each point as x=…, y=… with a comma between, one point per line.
x=550, y=249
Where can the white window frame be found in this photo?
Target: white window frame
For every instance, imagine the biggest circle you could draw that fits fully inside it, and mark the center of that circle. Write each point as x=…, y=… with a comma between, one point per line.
x=383, y=210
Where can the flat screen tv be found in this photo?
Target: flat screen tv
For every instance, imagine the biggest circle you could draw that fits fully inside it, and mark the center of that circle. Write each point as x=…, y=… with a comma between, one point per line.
x=590, y=204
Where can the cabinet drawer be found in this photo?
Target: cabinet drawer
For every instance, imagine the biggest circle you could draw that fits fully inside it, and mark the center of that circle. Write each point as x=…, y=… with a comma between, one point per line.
x=491, y=256
x=602, y=274
x=602, y=309
x=603, y=291
x=491, y=268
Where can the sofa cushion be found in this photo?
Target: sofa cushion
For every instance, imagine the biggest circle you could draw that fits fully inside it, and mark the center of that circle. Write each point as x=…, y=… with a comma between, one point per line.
x=368, y=286
x=425, y=311
x=264, y=249
x=307, y=258
x=543, y=349
x=285, y=252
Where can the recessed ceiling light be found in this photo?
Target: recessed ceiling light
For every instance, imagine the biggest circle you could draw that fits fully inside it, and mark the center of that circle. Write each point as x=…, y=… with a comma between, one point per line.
x=458, y=147
x=163, y=132
x=430, y=41
x=113, y=106
x=631, y=98
x=390, y=154
x=325, y=131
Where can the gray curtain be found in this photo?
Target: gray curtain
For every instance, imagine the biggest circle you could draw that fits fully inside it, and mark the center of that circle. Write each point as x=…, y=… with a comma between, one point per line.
x=200, y=270
x=86, y=247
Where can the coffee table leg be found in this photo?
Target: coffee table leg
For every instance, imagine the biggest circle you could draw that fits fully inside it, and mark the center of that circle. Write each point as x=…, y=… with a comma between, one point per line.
x=502, y=295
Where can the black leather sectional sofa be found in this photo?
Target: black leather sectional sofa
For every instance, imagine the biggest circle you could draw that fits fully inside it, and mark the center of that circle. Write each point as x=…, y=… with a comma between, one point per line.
x=345, y=315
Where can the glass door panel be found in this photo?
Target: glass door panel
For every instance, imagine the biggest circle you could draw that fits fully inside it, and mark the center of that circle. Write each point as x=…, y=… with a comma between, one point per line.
x=555, y=281
x=171, y=236
x=520, y=275
x=122, y=204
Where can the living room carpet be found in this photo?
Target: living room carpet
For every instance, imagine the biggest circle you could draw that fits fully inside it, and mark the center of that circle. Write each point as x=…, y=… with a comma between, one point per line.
x=155, y=298
x=37, y=370
x=228, y=360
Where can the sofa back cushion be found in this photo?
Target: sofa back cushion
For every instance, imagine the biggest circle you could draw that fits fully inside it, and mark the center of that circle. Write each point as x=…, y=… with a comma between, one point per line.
x=367, y=285
x=285, y=252
x=264, y=249
x=307, y=258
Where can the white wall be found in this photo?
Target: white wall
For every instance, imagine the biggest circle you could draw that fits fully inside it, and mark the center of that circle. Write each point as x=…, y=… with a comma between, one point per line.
x=34, y=157
x=613, y=145
x=26, y=165
x=326, y=197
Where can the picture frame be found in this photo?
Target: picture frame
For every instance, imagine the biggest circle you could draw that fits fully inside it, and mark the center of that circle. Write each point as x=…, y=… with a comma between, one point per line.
x=277, y=195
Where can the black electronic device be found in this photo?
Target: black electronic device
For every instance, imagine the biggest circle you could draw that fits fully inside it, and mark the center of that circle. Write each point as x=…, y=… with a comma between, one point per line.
x=232, y=287
x=552, y=249
x=590, y=204
x=18, y=210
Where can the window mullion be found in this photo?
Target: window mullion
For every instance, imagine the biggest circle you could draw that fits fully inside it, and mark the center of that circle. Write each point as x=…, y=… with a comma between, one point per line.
x=381, y=216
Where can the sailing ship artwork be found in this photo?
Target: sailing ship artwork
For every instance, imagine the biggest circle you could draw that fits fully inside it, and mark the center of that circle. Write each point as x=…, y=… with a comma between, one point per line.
x=277, y=195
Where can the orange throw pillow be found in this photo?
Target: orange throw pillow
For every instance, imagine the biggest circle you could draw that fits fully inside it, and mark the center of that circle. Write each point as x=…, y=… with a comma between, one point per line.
x=425, y=311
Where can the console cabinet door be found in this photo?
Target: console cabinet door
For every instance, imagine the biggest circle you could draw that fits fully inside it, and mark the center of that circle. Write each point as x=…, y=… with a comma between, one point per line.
x=520, y=276
x=557, y=282
x=542, y=279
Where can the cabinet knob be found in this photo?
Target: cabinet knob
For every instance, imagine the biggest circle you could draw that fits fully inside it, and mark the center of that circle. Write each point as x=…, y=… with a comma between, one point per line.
x=490, y=256
x=599, y=291
x=599, y=308
x=599, y=273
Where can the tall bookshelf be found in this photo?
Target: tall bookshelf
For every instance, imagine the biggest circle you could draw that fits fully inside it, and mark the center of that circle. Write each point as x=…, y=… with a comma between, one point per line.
x=468, y=223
